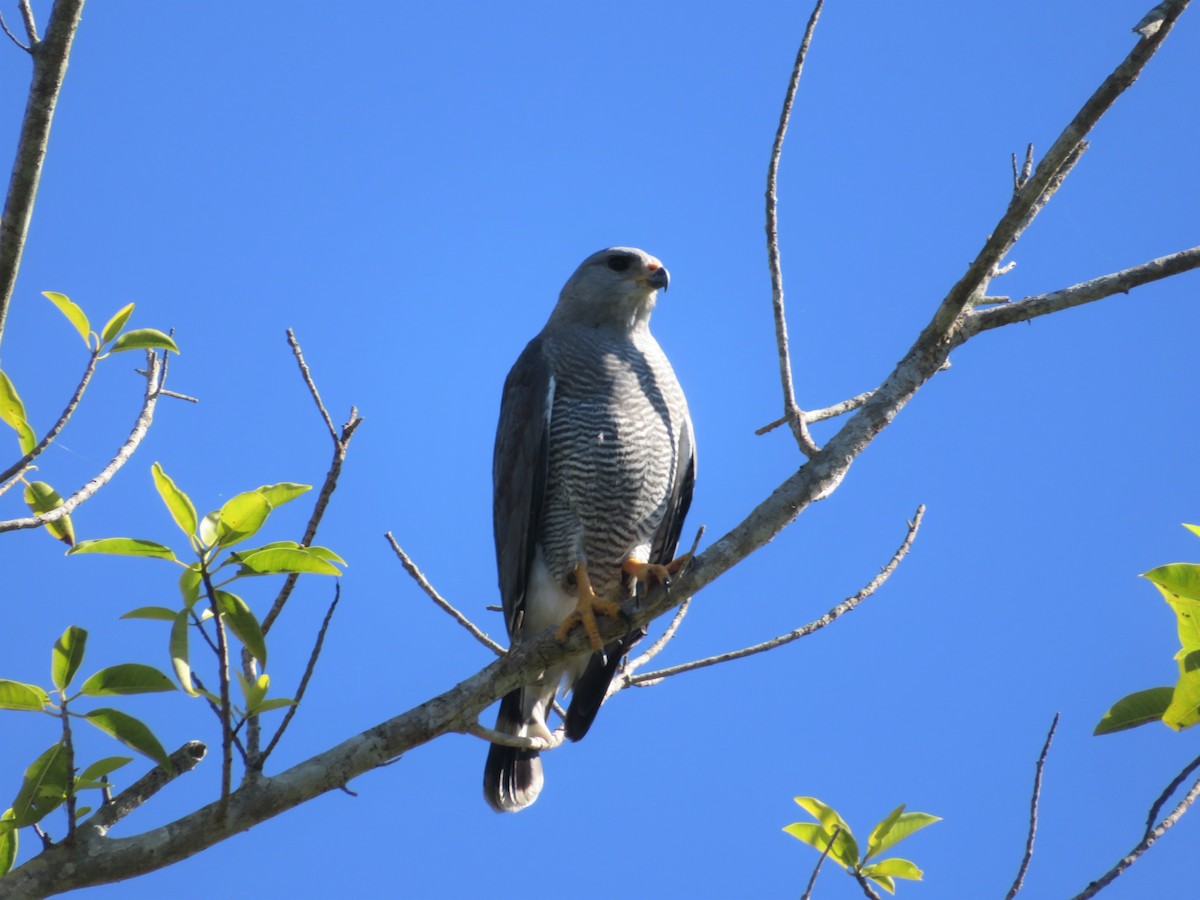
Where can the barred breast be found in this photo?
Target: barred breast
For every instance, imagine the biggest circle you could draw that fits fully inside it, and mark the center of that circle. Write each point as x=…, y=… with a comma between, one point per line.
x=613, y=452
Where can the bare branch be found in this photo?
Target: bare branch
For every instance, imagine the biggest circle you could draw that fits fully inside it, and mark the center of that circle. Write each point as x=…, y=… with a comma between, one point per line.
x=841, y=609
x=23, y=463
x=1145, y=844
x=136, y=436
x=49, y=68
x=183, y=761
x=12, y=36
x=837, y=829
x=431, y=592
x=1085, y=292
x=657, y=647
x=312, y=387
x=792, y=413
x=341, y=444
x=1156, y=807
x=308, y=671
x=511, y=740
x=865, y=885
x=1019, y=881
x=819, y=415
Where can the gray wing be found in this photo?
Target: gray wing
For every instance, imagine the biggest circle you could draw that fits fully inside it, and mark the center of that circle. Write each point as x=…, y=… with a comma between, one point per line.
x=519, y=470
x=666, y=538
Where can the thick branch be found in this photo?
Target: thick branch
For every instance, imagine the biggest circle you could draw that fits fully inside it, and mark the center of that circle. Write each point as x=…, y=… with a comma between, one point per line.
x=136, y=435
x=50, y=57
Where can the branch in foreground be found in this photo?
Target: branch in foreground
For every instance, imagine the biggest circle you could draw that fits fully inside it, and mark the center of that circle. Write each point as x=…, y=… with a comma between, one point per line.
x=792, y=413
x=1157, y=805
x=49, y=69
x=183, y=761
x=803, y=631
x=430, y=591
x=136, y=436
x=1019, y=881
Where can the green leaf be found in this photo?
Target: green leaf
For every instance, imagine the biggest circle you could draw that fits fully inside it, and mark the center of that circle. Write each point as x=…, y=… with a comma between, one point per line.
x=255, y=692
x=125, y=547
x=1184, y=711
x=273, y=703
x=209, y=528
x=1136, y=709
x=130, y=732
x=73, y=313
x=116, y=323
x=41, y=498
x=189, y=585
x=161, y=613
x=845, y=848
x=143, y=339
x=44, y=788
x=179, y=651
x=18, y=695
x=127, y=678
x=1194, y=529
x=281, y=493
x=178, y=503
x=893, y=868
x=12, y=413
x=67, y=655
x=880, y=831
x=326, y=554
x=884, y=882
x=815, y=836
x=242, y=622
x=905, y=824
x=102, y=767
x=1178, y=578
x=241, y=518
x=281, y=560
x=8, y=843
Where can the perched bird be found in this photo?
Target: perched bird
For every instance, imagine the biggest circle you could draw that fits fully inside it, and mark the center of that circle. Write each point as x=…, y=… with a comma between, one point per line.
x=593, y=473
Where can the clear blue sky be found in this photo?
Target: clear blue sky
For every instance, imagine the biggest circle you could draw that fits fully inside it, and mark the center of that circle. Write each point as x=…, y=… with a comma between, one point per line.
x=408, y=185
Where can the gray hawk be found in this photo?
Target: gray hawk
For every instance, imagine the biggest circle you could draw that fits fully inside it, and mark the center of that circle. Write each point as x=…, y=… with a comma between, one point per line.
x=593, y=473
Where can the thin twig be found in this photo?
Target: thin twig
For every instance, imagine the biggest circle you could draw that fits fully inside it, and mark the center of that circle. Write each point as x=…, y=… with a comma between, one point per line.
x=136, y=436
x=216, y=711
x=791, y=411
x=820, y=415
x=312, y=387
x=12, y=36
x=816, y=625
x=1171, y=788
x=1019, y=881
x=865, y=885
x=431, y=592
x=21, y=464
x=223, y=684
x=511, y=740
x=657, y=647
x=1145, y=844
x=49, y=69
x=812, y=881
x=308, y=671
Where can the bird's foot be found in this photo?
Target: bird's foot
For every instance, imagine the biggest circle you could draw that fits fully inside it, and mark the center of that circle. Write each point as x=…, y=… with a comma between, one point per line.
x=653, y=573
x=586, y=608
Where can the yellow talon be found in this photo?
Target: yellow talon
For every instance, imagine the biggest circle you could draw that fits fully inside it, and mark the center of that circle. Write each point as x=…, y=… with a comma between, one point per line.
x=585, y=610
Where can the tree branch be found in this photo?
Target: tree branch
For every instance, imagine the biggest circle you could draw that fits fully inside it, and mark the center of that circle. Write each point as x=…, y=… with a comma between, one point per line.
x=792, y=414
x=136, y=436
x=842, y=608
x=183, y=761
x=49, y=69
x=1145, y=844
x=23, y=463
x=812, y=881
x=411, y=568
x=1085, y=292
x=1157, y=805
x=1019, y=881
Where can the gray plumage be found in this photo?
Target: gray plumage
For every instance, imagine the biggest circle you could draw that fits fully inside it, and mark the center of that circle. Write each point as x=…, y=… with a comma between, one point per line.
x=594, y=465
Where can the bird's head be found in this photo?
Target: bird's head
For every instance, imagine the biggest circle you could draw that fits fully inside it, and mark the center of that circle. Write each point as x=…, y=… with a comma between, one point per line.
x=616, y=286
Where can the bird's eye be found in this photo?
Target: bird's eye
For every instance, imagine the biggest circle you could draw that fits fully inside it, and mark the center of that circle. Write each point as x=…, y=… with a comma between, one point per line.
x=619, y=263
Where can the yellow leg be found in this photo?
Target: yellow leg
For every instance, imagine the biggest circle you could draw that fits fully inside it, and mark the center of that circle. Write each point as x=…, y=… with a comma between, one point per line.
x=585, y=610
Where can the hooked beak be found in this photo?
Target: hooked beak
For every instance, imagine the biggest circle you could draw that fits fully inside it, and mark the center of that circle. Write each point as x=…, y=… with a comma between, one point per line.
x=660, y=278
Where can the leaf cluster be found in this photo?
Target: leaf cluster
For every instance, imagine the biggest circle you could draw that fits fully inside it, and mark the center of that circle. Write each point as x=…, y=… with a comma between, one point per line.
x=831, y=833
